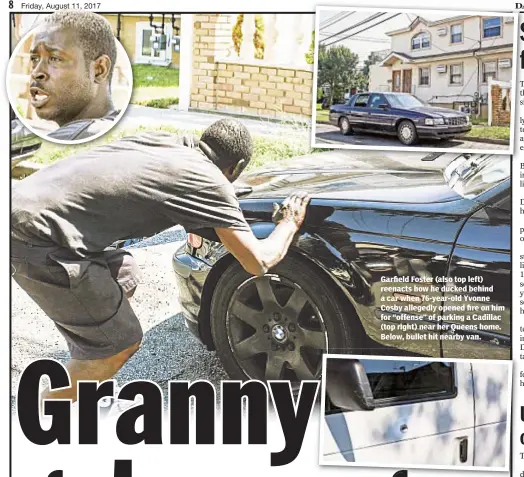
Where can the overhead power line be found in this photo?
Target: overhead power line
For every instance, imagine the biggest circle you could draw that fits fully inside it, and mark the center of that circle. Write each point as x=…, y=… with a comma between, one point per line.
x=364, y=38
x=363, y=30
x=343, y=17
x=327, y=20
x=352, y=27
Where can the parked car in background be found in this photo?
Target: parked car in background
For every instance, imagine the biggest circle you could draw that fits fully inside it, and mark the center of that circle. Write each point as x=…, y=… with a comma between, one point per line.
x=414, y=412
x=363, y=224
x=399, y=114
x=23, y=142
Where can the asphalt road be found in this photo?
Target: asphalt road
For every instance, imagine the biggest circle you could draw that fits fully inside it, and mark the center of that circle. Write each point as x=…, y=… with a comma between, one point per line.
x=328, y=134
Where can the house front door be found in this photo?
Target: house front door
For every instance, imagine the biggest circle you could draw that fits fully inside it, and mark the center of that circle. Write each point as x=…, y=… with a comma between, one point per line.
x=396, y=81
x=406, y=81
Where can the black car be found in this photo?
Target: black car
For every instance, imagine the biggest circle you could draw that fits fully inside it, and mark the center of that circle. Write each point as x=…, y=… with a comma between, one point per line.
x=364, y=223
x=24, y=143
x=399, y=114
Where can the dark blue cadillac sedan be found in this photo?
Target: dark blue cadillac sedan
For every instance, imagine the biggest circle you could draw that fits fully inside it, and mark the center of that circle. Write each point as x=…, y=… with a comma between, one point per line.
x=399, y=114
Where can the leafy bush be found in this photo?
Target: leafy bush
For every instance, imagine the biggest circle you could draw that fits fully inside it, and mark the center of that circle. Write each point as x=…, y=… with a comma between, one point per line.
x=310, y=55
x=237, y=34
x=258, y=37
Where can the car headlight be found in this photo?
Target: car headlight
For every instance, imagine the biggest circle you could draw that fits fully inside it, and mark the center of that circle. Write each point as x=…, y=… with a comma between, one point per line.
x=429, y=121
x=439, y=121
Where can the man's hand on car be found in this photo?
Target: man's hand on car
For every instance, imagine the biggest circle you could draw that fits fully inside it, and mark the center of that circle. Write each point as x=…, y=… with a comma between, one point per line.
x=258, y=256
x=293, y=209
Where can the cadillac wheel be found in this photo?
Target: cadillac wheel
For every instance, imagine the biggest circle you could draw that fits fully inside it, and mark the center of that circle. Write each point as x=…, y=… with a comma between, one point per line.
x=407, y=133
x=276, y=326
x=345, y=127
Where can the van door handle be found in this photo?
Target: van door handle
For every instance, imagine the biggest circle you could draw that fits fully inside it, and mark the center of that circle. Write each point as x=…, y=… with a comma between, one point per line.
x=403, y=428
x=463, y=450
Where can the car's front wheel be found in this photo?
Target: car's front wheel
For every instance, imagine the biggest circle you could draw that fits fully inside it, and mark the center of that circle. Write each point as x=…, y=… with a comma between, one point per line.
x=278, y=326
x=345, y=127
x=407, y=133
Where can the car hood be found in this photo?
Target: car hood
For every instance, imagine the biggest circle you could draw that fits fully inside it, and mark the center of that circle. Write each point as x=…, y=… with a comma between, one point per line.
x=438, y=112
x=347, y=175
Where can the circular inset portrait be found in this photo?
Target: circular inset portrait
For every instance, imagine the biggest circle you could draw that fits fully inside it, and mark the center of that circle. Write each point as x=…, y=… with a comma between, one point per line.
x=69, y=80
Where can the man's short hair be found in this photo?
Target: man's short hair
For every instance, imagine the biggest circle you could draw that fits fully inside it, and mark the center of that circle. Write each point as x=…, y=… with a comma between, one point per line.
x=230, y=141
x=94, y=33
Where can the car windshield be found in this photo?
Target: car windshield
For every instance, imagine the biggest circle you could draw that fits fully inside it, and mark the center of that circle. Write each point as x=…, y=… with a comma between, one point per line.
x=403, y=101
x=472, y=176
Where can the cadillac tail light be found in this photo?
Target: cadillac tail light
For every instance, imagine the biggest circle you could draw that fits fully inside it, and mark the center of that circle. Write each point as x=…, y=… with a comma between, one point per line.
x=194, y=240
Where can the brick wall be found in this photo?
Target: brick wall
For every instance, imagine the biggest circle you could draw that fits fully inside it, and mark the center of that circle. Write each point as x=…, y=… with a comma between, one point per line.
x=500, y=117
x=238, y=87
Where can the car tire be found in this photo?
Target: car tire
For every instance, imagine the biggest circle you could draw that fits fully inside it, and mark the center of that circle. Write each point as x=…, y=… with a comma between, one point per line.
x=407, y=133
x=262, y=358
x=345, y=126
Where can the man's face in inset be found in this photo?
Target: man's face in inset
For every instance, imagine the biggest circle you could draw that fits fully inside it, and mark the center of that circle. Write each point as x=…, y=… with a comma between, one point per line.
x=62, y=82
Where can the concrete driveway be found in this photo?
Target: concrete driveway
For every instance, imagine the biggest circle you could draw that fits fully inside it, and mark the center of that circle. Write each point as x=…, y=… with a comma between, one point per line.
x=169, y=351
x=328, y=134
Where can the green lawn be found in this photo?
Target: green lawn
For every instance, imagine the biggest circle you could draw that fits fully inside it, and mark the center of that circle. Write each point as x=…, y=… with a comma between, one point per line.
x=266, y=149
x=322, y=114
x=149, y=76
x=479, y=121
x=155, y=86
x=491, y=132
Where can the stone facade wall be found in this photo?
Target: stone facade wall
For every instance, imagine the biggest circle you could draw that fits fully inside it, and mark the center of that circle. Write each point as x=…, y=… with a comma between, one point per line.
x=242, y=88
x=501, y=116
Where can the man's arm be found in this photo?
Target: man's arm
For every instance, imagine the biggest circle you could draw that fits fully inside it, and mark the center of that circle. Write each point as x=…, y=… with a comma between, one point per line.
x=258, y=256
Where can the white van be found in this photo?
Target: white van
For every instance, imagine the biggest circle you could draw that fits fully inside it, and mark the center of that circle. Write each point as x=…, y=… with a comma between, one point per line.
x=416, y=413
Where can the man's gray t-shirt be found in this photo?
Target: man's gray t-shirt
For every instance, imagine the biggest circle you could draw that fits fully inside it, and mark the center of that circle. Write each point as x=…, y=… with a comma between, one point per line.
x=84, y=128
x=133, y=187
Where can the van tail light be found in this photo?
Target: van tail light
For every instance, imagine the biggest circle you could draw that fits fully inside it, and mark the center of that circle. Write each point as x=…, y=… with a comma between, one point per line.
x=194, y=240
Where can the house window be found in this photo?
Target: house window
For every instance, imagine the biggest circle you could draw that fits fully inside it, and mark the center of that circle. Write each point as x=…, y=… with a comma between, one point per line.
x=489, y=70
x=146, y=42
x=456, y=33
x=491, y=27
x=423, y=76
x=420, y=41
x=455, y=74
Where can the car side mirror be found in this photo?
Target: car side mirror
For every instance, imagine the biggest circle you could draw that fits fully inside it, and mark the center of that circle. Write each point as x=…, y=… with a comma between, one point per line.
x=383, y=106
x=347, y=385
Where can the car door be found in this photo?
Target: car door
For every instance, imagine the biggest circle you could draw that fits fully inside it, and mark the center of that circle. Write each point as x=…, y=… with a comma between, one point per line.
x=492, y=395
x=480, y=268
x=424, y=415
x=359, y=112
x=380, y=117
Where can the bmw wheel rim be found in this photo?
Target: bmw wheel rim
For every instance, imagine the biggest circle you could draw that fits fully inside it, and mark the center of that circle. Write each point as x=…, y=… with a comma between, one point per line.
x=275, y=331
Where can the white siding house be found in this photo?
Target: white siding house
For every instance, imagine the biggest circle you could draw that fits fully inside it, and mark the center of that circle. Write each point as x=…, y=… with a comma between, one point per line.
x=448, y=62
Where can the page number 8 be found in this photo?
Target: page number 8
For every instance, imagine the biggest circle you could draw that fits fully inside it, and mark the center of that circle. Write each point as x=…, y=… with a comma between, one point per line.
x=11, y=4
